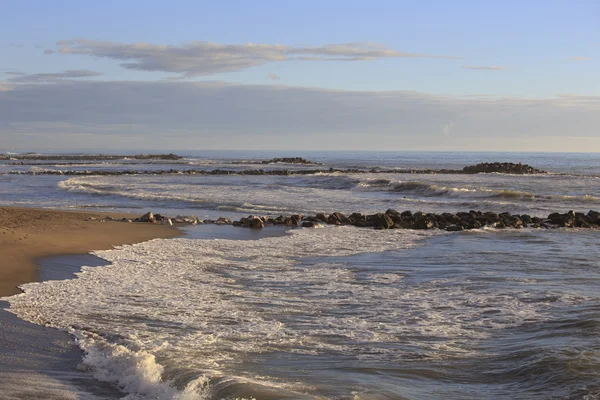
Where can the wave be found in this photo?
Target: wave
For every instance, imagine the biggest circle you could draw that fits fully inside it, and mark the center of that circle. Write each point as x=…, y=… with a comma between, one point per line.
x=436, y=190
x=181, y=335
x=212, y=319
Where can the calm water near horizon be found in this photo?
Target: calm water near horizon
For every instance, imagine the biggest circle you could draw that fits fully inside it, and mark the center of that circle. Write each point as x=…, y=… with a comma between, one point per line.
x=331, y=313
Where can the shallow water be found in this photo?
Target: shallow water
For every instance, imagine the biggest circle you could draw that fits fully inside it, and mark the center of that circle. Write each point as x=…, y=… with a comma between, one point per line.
x=337, y=312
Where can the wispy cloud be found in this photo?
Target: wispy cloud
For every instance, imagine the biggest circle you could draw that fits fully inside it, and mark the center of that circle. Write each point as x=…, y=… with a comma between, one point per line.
x=274, y=77
x=486, y=67
x=51, y=77
x=205, y=58
x=580, y=58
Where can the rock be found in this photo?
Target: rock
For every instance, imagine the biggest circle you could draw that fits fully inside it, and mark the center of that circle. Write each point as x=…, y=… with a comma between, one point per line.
x=562, y=220
x=594, y=216
x=148, y=217
x=224, y=221
x=382, y=221
x=357, y=219
x=309, y=224
x=257, y=223
x=505, y=168
x=338, y=218
x=422, y=223
x=406, y=214
x=455, y=228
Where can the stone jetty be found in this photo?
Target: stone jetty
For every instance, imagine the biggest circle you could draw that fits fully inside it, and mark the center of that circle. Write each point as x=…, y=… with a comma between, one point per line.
x=506, y=168
x=392, y=219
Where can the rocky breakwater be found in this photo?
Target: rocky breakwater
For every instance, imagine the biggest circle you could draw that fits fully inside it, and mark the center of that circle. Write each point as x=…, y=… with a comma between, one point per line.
x=459, y=221
x=504, y=168
x=392, y=219
x=279, y=160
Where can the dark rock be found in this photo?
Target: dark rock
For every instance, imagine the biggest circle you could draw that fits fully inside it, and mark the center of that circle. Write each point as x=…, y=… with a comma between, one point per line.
x=505, y=168
x=338, y=218
x=148, y=217
x=594, y=216
x=321, y=217
x=455, y=228
x=296, y=219
x=257, y=223
x=382, y=221
x=308, y=224
x=422, y=223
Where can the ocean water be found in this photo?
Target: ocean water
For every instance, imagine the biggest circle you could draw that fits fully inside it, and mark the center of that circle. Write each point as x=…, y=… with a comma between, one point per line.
x=335, y=312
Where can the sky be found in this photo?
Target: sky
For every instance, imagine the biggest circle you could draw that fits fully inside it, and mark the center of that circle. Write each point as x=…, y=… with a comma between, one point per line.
x=311, y=75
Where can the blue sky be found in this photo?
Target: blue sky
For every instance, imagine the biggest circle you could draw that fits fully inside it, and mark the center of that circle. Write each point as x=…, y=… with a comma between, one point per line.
x=444, y=51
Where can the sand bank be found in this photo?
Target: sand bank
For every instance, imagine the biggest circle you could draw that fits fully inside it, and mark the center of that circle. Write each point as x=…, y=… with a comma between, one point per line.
x=28, y=234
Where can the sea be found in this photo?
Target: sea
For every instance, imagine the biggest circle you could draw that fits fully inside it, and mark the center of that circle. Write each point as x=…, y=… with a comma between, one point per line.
x=336, y=312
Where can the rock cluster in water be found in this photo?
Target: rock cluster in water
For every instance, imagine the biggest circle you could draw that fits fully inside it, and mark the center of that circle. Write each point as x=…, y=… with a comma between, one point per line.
x=507, y=168
x=280, y=160
x=393, y=219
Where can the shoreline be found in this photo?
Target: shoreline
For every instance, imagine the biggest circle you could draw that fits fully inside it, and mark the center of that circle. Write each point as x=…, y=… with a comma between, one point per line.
x=28, y=235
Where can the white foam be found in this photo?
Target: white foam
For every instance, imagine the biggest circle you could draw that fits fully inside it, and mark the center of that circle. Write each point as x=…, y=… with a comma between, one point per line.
x=204, y=306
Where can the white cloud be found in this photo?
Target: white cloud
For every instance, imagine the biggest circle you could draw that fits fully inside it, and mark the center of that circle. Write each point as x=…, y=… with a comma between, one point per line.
x=225, y=115
x=486, y=67
x=205, y=58
x=580, y=58
x=273, y=77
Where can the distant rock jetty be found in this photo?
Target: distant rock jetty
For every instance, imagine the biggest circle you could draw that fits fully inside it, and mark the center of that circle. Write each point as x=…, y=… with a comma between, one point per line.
x=278, y=160
x=393, y=219
x=505, y=168
x=88, y=157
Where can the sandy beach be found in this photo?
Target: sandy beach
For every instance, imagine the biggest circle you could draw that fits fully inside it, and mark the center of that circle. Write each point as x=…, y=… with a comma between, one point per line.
x=28, y=234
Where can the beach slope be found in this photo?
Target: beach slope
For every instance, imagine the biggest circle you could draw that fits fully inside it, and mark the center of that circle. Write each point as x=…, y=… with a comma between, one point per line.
x=28, y=234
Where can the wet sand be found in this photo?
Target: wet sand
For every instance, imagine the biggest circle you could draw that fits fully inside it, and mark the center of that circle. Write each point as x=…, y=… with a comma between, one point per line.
x=38, y=361
x=27, y=235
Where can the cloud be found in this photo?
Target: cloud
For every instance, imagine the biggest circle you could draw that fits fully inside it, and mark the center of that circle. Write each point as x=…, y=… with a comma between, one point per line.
x=188, y=115
x=205, y=58
x=274, y=77
x=580, y=58
x=48, y=51
x=486, y=67
x=14, y=73
x=52, y=77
